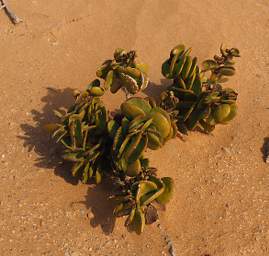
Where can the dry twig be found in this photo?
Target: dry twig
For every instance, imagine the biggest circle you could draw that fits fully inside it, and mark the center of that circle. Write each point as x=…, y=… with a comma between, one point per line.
x=13, y=17
x=167, y=239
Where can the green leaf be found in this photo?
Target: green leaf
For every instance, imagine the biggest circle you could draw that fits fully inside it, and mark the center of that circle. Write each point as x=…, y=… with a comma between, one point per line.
x=138, y=223
x=76, y=167
x=180, y=83
x=166, y=69
x=61, y=136
x=130, y=110
x=154, y=141
x=98, y=177
x=161, y=121
x=134, y=168
x=196, y=116
x=193, y=68
x=96, y=91
x=146, y=125
x=197, y=85
x=101, y=119
x=130, y=217
x=142, y=67
x=144, y=163
x=232, y=114
x=112, y=127
x=65, y=143
x=123, y=145
x=57, y=113
x=187, y=66
x=85, y=139
x=86, y=173
x=78, y=132
x=221, y=112
x=57, y=132
x=226, y=71
x=115, y=86
x=209, y=65
x=144, y=187
x=154, y=194
x=140, y=103
x=179, y=66
x=167, y=194
x=94, y=83
x=90, y=172
x=118, y=140
x=109, y=79
x=104, y=69
x=73, y=157
x=136, y=124
x=138, y=150
x=235, y=52
x=177, y=50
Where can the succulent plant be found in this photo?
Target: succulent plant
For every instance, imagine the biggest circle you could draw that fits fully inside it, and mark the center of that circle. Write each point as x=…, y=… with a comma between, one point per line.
x=100, y=144
x=194, y=99
x=139, y=125
x=221, y=66
x=124, y=72
x=138, y=196
x=83, y=132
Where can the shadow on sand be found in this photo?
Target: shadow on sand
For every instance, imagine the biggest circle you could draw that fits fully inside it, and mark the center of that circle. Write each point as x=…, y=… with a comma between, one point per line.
x=98, y=202
x=154, y=90
x=36, y=138
x=265, y=149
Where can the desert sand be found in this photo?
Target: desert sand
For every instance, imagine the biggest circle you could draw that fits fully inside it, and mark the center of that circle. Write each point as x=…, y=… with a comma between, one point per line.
x=221, y=204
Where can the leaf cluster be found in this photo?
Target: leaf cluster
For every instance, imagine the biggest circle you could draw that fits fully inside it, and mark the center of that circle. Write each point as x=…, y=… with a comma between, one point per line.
x=100, y=144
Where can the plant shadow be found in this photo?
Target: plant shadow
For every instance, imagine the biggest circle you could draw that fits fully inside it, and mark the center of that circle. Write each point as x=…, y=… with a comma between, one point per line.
x=265, y=149
x=37, y=139
x=154, y=90
x=101, y=206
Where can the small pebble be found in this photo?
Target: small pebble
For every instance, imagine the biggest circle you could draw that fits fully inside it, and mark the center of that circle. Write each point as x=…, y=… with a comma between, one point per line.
x=226, y=150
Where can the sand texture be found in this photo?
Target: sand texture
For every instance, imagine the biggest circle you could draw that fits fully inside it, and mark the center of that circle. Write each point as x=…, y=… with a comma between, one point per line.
x=221, y=205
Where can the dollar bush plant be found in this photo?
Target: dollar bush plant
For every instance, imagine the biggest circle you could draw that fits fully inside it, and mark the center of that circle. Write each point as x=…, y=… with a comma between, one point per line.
x=100, y=144
x=124, y=72
x=196, y=96
x=104, y=145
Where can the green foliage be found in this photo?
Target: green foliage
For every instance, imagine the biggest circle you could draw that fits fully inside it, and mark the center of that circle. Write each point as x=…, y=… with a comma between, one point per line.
x=83, y=132
x=139, y=126
x=139, y=194
x=114, y=146
x=195, y=99
x=99, y=144
x=124, y=72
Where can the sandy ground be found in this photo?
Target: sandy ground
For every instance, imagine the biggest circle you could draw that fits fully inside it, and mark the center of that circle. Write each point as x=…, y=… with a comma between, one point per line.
x=221, y=206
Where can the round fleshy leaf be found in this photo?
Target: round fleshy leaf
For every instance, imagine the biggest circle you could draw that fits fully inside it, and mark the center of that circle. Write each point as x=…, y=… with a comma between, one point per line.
x=167, y=194
x=221, y=112
x=134, y=168
x=131, y=111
